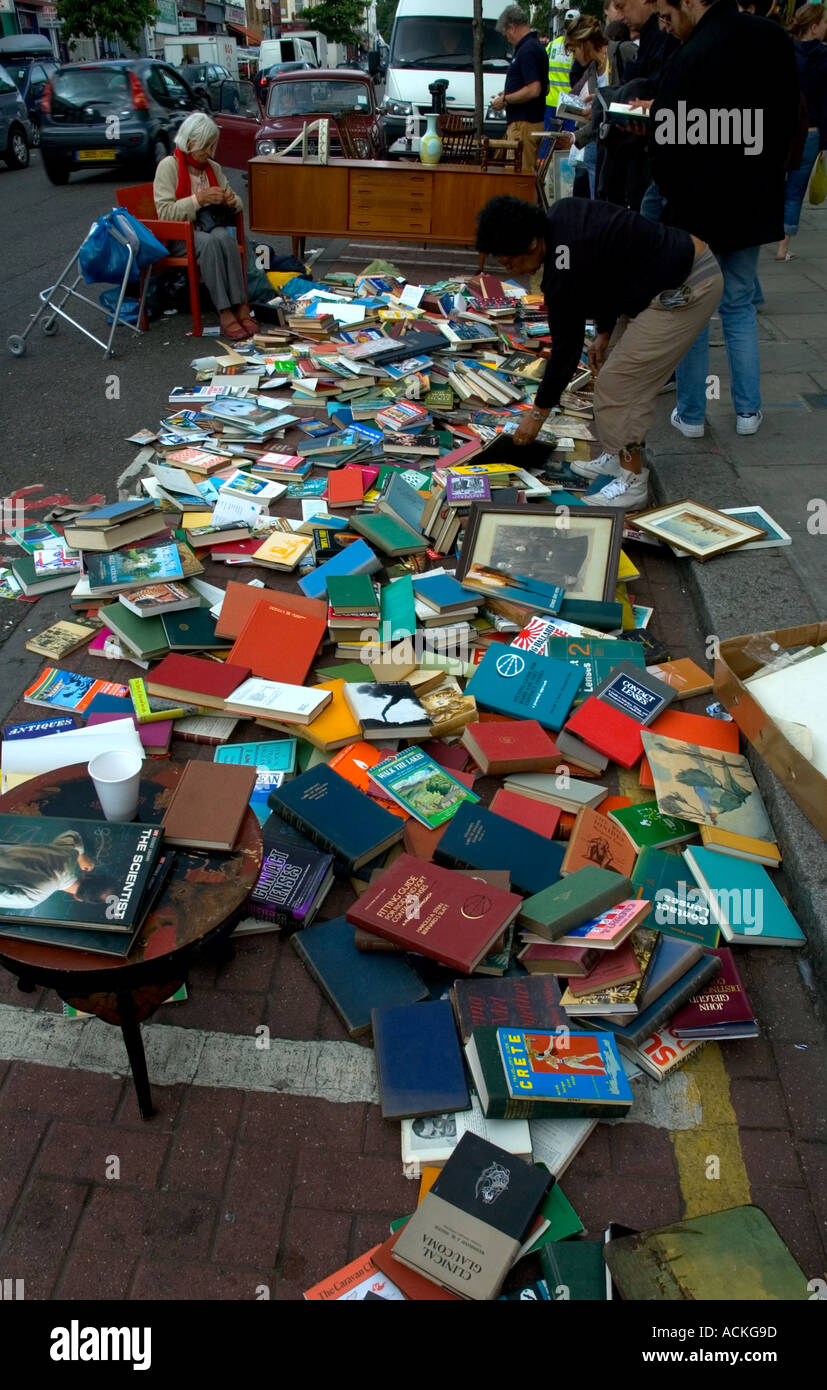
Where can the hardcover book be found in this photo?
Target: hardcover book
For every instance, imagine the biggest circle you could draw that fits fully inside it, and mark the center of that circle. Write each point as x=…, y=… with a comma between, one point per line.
x=646, y=827
x=208, y=806
x=596, y=839
x=196, y=680
x=543, y=819
x=75, y=873
x=721, y=1009
x=133, y=569
x=450, y=917
x=651, y=1018
x=418, y=1060
x=742, y=899
x=510, y=745
x=706, y=786
x=277, y=643
x=337, y=817
x=520, y=1073
x=525, y=686
x=353, y=981
x=516, y=1001
x=680, y=906
x=291, y=886
x=387, y=710
x=610, y=928
x=479, y=839
x=576, y=899
x=466, y=1233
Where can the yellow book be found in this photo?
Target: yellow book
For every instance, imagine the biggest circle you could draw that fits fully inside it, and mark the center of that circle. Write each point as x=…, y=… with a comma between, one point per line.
x=280, y=551
x=626, y=569
x=741, y=846
x=191, y=520
x=621, y=597
x=333, y=728
x=427, y=1180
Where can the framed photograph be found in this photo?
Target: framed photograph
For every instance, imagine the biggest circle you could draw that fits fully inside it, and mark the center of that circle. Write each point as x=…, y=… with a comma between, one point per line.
x=577, y=548
x=697, y=530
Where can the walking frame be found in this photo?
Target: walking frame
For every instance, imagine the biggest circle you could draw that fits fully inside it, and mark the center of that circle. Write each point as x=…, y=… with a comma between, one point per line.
x=52, y=305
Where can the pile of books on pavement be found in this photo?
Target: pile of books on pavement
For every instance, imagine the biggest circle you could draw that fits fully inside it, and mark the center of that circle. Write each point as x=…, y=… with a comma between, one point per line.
x=438, y=705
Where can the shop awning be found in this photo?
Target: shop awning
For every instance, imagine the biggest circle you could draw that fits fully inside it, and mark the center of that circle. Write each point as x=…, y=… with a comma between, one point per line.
x=249, y=34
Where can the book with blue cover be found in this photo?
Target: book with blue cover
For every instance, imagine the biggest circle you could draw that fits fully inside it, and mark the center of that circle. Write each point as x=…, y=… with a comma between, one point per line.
x=476, y=838
x=337, y=817
x=525, y=686
x=114, y=513
x=131, y=569
x=542, y=1065
x=354, y=981
x=742, y=899
x=419, y=1060
x=38, y=728
x=278, y=755
x=442, y=591
x=356, y=558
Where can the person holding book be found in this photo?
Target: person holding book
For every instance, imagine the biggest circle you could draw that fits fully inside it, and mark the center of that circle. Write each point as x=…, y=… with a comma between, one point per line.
x=191, y=187
x=808, y=27
x=523, y=99
x=650, y=289
x=589, y=47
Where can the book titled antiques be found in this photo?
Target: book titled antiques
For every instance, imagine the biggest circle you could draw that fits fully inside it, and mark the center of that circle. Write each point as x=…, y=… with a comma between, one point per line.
x=445, y=915
x=466, y=1232
x=74, y=873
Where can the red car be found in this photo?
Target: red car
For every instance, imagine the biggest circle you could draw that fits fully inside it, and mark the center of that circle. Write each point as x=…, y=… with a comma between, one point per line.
x=294, y=99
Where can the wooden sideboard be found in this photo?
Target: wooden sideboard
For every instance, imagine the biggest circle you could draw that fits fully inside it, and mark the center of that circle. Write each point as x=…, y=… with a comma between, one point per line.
x=378, y=200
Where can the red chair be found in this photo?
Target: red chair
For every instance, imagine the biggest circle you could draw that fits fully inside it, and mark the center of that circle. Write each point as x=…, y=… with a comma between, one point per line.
x=139, y=200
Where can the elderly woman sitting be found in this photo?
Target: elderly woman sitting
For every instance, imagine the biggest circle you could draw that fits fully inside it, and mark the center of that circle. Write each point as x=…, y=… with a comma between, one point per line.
x=186, y=182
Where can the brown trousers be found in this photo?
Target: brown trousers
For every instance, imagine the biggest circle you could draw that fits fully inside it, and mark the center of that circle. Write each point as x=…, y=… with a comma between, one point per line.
x=521, y=130
x=643, y=354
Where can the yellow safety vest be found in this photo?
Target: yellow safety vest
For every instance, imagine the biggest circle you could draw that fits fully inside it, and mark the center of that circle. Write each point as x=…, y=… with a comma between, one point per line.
x=559, y=65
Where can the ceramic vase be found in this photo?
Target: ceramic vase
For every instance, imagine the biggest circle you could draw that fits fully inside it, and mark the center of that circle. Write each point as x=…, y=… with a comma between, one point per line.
x=430, y=148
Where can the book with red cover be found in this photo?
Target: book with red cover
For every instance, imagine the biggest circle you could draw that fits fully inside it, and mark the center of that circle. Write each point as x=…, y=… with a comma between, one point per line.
x=608, y=730
x=511, y=745
x=463, y=454
x=702, y=729
x=595, y=840
x=278, y=644
x=411, y=1283
x=547, y=958
x=721, y=1009
x=197, y=680
x=618, y=967
x=229, y=550
x=345, y=487
x=440, y=913
x=241, y=599
x=538, y=816
x=517, y=1001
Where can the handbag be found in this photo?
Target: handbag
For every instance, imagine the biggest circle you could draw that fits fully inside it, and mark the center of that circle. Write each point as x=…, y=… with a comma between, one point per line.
x=818, y=181
x=214, y=215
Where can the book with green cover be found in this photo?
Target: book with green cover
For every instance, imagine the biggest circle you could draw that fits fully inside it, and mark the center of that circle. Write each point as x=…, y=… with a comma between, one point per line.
x=575, y=899
x=679, y=906
x=574, y=1270
x=143, y=636
x=397, y=609
x=387, y=534
x=648, y=828
x=421, y=786
x=597, y=656
x=726, y=1256
x=351, y=593
x=563, y=1221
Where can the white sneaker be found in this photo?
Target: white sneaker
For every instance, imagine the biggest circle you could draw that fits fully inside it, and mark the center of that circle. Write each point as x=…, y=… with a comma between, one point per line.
x=595, y=468
x=689, y=431
x=748, y=424
x=629, y=491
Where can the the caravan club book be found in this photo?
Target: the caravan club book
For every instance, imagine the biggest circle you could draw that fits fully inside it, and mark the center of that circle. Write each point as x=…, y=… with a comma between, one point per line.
x=89, y=874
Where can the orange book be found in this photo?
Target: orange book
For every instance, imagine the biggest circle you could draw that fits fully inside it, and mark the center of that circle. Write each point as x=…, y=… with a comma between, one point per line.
x=277, y=643
x=353, y=1281
x=684, y=676
x=691, y=728
x=353, y=763
x=595, y=841
x=413, y=1284
x=240, y=599
x=332, y=728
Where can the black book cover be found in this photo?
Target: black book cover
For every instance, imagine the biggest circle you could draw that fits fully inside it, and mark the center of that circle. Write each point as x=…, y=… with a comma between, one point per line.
x=492, y=1185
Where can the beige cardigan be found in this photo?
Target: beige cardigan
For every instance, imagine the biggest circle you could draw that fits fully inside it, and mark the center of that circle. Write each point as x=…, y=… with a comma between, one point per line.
x=172, y=209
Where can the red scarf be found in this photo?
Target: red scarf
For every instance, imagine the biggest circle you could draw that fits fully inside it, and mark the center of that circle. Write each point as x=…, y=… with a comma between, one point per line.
x=185, y=164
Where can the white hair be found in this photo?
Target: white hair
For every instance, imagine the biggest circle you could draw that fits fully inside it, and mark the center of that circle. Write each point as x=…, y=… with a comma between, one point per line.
x=197, y=132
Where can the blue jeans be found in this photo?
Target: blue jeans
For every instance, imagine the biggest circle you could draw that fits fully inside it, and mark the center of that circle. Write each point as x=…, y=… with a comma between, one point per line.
x=652, y=204
x=740, y=325
x=590, y=164
x=797, y=181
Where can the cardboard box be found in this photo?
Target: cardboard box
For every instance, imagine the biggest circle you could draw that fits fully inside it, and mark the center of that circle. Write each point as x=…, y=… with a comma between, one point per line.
x=806, y=785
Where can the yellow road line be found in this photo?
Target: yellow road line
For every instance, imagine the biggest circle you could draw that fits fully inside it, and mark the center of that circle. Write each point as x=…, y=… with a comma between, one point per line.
x=711, y=1167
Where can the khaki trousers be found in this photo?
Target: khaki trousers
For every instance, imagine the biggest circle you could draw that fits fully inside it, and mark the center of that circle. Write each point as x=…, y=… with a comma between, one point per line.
x=643, y=354
x=521, y=130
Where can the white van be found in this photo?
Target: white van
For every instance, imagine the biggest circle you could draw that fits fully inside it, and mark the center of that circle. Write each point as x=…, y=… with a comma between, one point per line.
x=432, y=39
x=287, y=50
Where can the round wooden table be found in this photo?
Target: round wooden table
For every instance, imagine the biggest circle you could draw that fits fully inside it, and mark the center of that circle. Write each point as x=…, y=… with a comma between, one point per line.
x=201, y=902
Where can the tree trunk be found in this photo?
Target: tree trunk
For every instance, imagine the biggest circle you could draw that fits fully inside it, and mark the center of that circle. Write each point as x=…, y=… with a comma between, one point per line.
x=479, y=105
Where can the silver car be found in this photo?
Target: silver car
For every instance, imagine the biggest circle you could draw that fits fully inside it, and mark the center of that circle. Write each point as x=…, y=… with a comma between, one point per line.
x=15, y=127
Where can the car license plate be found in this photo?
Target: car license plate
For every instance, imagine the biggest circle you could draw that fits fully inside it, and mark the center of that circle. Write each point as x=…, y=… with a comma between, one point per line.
x=84, y=155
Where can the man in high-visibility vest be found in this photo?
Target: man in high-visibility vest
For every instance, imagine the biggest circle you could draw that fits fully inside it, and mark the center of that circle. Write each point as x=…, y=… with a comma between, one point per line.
x=559, y=66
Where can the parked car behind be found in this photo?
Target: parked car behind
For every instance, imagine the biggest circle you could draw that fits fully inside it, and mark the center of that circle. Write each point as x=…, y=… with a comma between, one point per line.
x=295, y=99
x=29, y=61
x=15, y=126
x=205, y=80
x=264, y=75
x=121, y=114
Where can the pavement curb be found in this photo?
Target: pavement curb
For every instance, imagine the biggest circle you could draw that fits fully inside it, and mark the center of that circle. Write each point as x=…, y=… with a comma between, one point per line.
x=744, y=593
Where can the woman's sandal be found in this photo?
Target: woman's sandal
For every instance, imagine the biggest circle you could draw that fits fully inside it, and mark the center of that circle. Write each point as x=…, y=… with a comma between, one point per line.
x=249, y=325
x=236, y=333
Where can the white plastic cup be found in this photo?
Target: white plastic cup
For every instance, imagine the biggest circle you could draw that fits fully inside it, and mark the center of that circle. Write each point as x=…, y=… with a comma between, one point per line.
x=117, y=779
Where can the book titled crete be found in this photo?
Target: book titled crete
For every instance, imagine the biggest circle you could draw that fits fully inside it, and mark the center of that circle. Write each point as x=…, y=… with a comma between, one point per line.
x=519, y=1074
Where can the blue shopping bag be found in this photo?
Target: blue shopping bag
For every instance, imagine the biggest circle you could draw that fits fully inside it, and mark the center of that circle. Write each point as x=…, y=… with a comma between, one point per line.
x=103, y=256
